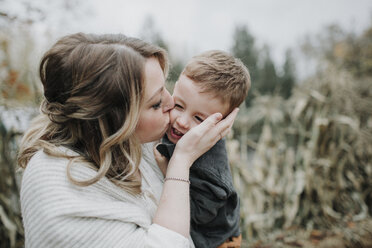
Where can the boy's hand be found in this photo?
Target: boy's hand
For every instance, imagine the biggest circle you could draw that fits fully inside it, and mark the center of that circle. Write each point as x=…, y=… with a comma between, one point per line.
x=161, y=161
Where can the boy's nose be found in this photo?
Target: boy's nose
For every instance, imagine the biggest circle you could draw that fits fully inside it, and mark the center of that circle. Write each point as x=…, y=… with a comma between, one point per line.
x=183, y=122
x=168, y=102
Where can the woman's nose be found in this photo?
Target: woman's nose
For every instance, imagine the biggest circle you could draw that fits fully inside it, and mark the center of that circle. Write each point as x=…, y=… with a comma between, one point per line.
x=168, y=102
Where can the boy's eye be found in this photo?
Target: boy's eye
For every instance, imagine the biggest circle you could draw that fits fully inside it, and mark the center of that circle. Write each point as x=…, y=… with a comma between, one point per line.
x=199, y=119
x=157, y=105
x=178, y=106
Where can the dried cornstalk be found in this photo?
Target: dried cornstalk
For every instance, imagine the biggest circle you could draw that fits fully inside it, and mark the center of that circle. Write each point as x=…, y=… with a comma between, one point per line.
x=310, y=164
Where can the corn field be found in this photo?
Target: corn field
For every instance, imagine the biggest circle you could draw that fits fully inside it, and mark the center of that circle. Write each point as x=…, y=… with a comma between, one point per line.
x=310, y=166
x=11, y=230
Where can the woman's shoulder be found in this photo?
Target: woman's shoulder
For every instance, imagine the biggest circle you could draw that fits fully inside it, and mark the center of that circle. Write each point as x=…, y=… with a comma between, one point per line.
x=45, y=174
x=43, y=166
x=46, y=177
x=42, y=157
x=50, y=171
x=48, y=196
x=45, y=183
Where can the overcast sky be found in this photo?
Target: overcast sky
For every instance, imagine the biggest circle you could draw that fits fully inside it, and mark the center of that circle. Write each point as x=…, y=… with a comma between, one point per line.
x=192, y=26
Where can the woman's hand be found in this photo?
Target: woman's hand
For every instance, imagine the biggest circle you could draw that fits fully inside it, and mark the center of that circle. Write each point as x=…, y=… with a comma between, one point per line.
x=201, y=138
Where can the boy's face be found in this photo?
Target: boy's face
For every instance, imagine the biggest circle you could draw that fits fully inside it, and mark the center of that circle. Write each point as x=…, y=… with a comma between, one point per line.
x=191, y=108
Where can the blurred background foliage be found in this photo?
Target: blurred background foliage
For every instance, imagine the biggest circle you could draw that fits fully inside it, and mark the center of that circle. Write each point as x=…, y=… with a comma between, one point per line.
x=300, y=150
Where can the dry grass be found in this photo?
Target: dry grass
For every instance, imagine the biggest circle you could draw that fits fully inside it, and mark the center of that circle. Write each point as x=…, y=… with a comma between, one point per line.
x=310, y=167
x=11, y=229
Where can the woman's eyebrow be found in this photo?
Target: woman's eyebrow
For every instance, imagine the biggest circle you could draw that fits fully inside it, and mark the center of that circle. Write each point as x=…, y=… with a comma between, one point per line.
x=156, y=93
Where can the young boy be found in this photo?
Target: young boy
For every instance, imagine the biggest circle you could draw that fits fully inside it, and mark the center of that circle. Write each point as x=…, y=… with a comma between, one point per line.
x=211, y=82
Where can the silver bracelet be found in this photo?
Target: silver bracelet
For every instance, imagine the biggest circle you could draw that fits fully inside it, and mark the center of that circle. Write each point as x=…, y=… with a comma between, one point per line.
x=177, y=179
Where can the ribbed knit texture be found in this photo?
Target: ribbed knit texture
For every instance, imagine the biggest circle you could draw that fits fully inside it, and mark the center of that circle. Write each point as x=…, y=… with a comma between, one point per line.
x=57, y=213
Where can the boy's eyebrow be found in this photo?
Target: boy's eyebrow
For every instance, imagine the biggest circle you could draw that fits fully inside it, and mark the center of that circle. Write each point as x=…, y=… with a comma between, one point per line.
x=156, y=93
x=204, y=115
x=179, y=99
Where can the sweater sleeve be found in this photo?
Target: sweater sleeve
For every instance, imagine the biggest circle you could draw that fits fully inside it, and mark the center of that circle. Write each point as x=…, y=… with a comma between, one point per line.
x=159, y=236
x=57, y=213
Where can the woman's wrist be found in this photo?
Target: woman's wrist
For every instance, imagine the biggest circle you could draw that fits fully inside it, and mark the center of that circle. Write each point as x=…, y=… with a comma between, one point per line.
x=179, y=167
x=177, y=179
x=184, y=155
x=174, y=205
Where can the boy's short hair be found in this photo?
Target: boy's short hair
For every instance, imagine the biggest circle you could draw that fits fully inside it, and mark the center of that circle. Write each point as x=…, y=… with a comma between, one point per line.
x=221, y=74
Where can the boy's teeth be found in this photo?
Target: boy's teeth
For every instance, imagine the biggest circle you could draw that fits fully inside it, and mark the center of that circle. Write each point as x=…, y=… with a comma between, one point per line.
x=177, y=132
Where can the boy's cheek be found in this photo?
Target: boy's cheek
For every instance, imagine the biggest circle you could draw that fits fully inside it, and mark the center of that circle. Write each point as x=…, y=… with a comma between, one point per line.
x=172, y=115
x=172, y=111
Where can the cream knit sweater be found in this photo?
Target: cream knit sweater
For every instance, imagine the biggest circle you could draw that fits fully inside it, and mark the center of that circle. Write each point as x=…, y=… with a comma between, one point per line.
x=57, y=213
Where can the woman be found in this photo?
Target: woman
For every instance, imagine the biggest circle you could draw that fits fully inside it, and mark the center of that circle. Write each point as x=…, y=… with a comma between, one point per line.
x=88, y=181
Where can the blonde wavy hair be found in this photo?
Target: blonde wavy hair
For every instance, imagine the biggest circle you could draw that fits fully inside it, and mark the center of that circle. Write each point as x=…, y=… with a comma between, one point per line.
x=93, y=88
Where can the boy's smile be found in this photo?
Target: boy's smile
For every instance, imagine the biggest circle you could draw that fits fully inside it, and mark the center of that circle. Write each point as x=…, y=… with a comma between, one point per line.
x=191, y=107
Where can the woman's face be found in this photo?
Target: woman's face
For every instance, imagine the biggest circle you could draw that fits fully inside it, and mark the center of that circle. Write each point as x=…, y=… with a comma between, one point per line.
x=154, y=114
